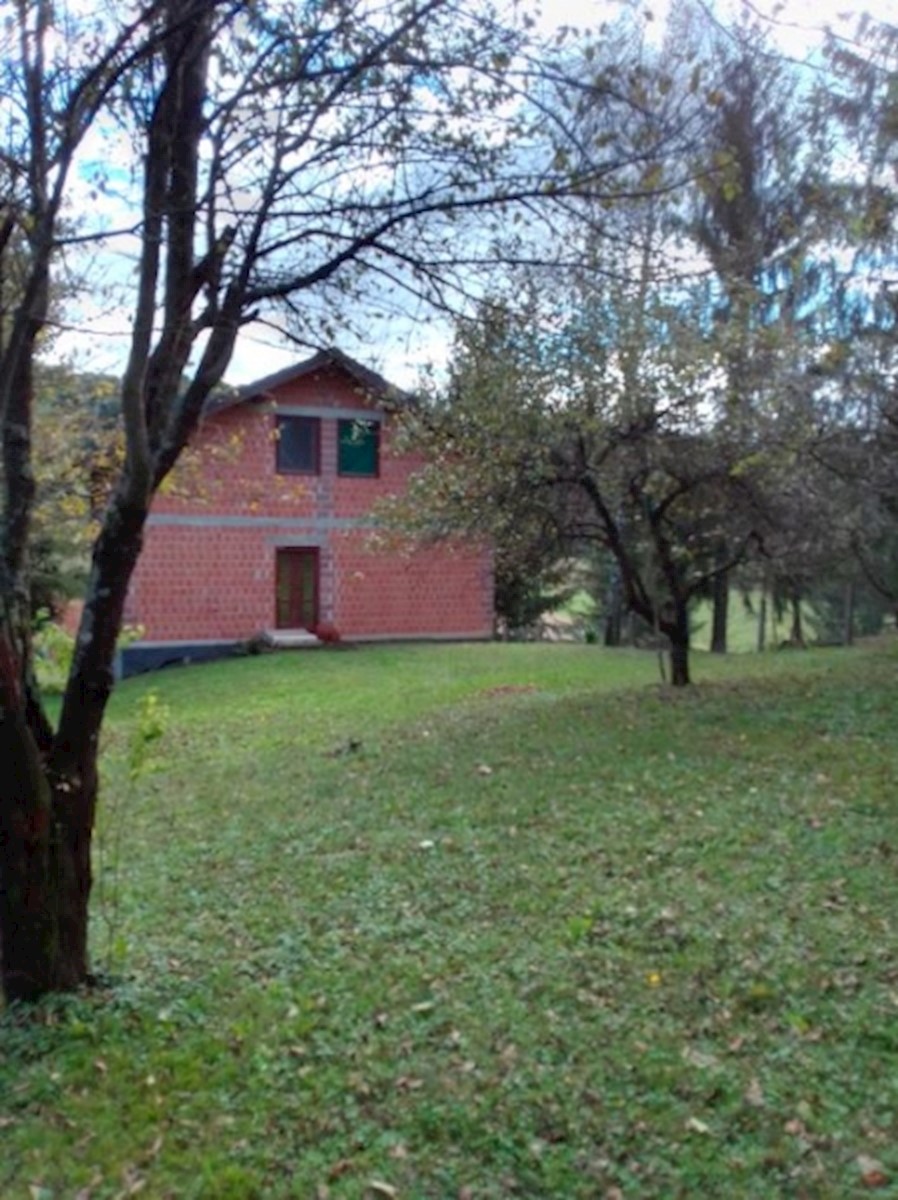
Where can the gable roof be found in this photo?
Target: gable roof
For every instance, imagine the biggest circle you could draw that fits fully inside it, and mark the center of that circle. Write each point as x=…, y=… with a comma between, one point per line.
x=372, y=383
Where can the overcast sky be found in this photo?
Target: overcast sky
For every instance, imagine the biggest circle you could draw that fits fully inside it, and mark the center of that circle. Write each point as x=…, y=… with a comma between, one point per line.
x=796, y=26
x=99, y=343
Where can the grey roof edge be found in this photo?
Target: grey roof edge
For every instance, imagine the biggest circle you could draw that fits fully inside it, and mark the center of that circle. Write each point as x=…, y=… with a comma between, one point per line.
x=369, y=380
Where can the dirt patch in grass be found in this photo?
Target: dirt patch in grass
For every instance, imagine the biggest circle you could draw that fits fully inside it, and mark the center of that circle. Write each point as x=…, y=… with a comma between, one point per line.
x=510, y=689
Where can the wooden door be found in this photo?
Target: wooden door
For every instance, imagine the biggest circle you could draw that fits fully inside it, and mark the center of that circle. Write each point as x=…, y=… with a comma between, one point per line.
x=297, y=588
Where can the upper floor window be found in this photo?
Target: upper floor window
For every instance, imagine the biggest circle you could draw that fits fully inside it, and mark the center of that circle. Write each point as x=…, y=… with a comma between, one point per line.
x=298, y=445
x=358, y=448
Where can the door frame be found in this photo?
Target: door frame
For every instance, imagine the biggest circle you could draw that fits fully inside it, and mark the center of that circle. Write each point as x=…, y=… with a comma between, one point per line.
x=283, y=553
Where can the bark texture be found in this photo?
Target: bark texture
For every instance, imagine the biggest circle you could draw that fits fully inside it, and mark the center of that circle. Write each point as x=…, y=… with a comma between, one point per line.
x=28, y=903
x=720, y=611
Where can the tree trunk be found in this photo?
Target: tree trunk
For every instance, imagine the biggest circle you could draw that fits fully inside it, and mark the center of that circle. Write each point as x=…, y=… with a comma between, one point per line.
x=762, y=621
x=46, y=825
x=74, y=812
x=848, y=614
x=720, y=600
x=44, y=844
x=27, y=904
x=45, y=865
x=796, y=636
x=46, y=828
x=679, y=663
x=614, y=610
x=48, y=793
x=48, y=781
x=678, y=633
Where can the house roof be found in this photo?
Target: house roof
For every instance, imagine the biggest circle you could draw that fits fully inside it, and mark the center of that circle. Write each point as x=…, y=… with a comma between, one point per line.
x=372, y=383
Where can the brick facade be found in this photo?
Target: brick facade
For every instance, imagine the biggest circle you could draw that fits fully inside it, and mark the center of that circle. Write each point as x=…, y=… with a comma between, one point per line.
x=209, y=567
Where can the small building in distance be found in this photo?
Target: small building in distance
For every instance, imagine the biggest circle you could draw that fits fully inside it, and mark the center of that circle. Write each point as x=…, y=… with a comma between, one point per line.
x=265, y=529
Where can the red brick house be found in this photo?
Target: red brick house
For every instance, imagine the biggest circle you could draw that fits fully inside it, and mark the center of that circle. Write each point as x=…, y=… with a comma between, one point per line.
x=267, y=528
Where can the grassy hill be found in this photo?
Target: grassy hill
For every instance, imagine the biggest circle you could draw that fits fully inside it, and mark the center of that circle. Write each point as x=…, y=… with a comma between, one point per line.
x=479, y=922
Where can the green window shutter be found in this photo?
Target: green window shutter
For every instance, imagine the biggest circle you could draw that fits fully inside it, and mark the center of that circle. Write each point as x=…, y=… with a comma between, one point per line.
x=358, y=448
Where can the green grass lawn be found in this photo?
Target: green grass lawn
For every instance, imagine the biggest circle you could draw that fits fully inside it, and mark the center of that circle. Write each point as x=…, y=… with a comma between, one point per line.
x=480, y=922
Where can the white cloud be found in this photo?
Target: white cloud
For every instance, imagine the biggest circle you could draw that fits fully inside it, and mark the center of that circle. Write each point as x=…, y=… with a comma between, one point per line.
x=101, y=321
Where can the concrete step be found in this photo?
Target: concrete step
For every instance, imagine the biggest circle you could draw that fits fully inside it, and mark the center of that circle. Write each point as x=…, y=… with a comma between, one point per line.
x=290, y=639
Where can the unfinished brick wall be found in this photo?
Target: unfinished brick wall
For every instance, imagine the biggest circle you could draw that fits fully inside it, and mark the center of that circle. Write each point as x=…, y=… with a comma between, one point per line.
x=439, y=589
x=201, y=584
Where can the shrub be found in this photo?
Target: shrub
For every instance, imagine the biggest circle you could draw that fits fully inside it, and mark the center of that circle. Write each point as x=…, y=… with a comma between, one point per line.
x=327, y=633
x=54, y=648
x=53, y=651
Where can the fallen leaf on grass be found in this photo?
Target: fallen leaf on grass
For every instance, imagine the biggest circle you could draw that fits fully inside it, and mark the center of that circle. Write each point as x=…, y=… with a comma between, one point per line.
x=754, y=1095
x=873, y=1173
x=796, y=1128
x=134, y=1184
x=88, y=1192
x=700, y=1058
x=408, y=1083
x=378, y=1190
x=694, y=1125
x=341, y=1167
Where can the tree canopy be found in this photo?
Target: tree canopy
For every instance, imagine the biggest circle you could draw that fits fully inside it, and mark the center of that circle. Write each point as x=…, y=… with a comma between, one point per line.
x=705, y=395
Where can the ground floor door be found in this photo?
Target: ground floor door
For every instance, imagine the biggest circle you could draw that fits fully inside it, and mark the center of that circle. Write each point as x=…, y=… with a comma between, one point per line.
x=297, y=588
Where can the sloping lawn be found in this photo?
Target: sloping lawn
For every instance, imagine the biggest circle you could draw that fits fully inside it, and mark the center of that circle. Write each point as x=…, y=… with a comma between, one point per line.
x=482, y=922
